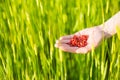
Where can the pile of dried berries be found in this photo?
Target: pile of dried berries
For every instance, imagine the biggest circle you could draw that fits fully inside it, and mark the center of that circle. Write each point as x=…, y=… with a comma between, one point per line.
x=78, y=41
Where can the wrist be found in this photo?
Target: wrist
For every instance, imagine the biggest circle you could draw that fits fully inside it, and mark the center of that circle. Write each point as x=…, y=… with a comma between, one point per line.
x=109, y=27
x=104, y=31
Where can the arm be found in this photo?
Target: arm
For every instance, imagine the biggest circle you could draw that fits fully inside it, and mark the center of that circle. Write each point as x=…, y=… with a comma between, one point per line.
x=96, y=34
x=109, y=27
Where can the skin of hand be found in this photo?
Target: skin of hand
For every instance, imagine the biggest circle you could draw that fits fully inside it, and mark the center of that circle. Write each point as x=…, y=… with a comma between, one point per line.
x=95, y=36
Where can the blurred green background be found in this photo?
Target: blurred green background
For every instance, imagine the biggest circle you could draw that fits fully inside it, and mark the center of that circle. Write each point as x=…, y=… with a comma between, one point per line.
x=29, y=29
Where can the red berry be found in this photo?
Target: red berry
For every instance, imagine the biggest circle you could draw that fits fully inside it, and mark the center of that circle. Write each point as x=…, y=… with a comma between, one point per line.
x=78, y=41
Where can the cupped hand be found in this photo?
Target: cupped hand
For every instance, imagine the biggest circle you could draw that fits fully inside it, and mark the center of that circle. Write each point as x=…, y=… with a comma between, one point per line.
x=95, y=35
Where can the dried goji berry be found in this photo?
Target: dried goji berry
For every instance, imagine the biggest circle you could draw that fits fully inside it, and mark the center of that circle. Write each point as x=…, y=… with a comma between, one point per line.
x=78, y=41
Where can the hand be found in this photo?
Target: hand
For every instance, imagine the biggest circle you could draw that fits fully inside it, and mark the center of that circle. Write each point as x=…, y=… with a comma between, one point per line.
x=95, y=35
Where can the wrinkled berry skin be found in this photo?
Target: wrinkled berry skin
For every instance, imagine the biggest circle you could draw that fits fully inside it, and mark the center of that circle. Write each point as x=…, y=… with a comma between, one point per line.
x=78, y=41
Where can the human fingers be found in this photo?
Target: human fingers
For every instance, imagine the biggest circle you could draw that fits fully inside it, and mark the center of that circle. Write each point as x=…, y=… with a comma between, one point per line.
x=67, y=48
x=63, y=41
x=83, y=50
x=66, y=37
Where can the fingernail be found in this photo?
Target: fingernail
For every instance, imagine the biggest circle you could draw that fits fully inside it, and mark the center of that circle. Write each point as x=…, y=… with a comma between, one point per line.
x=57, y=41
x=60, y=38
x=56, y=45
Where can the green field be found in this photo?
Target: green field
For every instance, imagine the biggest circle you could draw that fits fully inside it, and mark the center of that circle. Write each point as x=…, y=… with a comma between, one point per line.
x=29, y=29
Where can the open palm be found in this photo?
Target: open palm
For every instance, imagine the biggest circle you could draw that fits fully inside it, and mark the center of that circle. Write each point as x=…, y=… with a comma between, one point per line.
x=95, y=36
